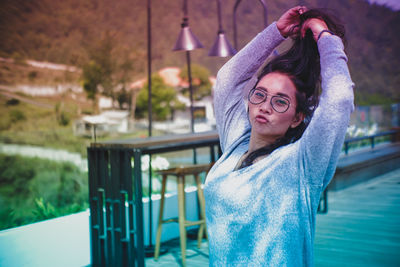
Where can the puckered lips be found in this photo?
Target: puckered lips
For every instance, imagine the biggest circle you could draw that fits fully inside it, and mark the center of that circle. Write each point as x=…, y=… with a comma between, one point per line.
x=261, y=119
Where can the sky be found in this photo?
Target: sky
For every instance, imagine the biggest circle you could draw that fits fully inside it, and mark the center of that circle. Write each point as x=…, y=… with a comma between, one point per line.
x=393, y=4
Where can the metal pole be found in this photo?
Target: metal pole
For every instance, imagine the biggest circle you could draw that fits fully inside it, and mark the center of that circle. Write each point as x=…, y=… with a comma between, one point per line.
x=191, y=103
x=219, y=16
x=191, y=92
x=234, y=24
x=264, y=4
x=94, y=132
x=137, y=176
x=185, y=9
x=149, y=249
x=149, y=108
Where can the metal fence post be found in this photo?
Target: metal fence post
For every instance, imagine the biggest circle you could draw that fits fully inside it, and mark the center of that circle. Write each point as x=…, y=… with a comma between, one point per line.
x=137, y=181
x=116, y=217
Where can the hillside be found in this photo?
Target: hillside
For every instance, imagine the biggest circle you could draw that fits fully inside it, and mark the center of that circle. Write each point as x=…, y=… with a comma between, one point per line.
x=69, y=31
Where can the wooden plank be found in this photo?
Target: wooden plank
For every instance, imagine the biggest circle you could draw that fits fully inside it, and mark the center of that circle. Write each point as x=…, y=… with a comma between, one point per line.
x=158, y=140
x=362, y=227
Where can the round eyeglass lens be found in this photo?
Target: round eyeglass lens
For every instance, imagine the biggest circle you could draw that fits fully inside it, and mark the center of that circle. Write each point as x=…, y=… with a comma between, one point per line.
x=257, y=96
x=280, y=104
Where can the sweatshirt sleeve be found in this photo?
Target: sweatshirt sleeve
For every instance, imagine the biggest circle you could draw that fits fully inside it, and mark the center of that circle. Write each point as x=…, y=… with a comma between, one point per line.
x=230, y=109
x=323, y=139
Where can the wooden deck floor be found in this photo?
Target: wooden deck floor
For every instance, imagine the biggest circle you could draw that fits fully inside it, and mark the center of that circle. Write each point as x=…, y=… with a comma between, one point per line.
x=361, y=228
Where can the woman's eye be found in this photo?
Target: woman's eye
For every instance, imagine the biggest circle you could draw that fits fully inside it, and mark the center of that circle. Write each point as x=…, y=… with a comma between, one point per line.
x=281, y=102
x=259, y=95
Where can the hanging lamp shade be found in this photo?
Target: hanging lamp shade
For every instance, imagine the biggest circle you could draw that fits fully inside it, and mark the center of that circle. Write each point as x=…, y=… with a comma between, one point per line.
x=221, y=47
x=187, y=41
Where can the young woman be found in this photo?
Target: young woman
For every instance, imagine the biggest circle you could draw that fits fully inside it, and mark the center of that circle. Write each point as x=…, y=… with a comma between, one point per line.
x=280, y=142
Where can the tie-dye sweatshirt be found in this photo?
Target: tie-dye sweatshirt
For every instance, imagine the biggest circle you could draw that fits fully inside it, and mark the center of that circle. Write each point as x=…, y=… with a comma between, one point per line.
x=264, y=214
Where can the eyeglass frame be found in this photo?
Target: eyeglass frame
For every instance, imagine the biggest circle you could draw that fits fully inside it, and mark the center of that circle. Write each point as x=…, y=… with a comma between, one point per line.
x=266, y=98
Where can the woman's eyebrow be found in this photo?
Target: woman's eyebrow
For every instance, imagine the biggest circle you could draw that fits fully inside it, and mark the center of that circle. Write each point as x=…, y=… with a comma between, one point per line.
x=283, y=95
x=262, y=88
x=278, y=94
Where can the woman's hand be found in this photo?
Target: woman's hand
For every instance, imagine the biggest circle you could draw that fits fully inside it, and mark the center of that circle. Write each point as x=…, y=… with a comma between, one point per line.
x=316, y=26
x=288, y=23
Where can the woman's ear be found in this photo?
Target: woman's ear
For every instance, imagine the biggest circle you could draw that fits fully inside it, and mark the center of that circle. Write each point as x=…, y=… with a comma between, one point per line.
x=298, y=118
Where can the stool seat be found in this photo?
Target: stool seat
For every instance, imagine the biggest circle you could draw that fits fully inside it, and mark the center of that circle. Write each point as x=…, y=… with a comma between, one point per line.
x=180, y=173
x=186, y=170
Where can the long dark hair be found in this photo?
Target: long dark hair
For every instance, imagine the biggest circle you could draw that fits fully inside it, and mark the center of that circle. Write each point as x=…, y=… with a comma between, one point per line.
x=301, y=64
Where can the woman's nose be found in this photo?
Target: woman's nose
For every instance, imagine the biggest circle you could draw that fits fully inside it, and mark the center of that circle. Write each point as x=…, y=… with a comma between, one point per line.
x=266, y=106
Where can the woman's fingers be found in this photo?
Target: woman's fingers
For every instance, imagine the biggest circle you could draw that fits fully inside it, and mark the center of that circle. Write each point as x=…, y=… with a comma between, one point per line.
x=289, y=23
x=295, y=12
x=315, y=25
x=290, y=19
x=302, y=9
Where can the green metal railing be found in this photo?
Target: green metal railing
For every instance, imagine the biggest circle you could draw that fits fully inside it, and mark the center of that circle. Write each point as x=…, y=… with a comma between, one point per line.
x=370, y=138
x=115, y=209
x=115, y=194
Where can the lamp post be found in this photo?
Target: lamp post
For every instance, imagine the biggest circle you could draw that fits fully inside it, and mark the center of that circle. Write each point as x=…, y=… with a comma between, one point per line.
x=221, y=47
x=149, y=107
x=190, y=92
x=264, y=4
x=149, y=250
x=187, y=41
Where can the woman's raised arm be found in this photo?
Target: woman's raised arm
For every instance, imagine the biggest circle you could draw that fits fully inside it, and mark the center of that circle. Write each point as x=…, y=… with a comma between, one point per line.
x=323, y=139
x=230, y=111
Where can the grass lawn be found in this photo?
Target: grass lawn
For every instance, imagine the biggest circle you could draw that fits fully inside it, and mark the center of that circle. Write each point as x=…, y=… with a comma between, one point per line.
x=27, y=123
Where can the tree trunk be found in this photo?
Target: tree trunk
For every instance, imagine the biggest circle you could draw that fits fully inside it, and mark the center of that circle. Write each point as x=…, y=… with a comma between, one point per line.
x=135, y=92
x=95, y=104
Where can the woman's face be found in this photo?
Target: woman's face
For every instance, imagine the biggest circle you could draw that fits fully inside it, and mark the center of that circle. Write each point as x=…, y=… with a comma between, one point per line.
x=266, y=122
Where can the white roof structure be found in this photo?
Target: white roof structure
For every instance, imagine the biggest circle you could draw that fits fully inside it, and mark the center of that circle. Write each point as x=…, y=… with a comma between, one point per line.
x=107, y=117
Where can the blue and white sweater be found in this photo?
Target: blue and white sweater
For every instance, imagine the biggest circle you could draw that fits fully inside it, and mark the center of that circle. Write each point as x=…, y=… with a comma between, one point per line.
x=264, y=214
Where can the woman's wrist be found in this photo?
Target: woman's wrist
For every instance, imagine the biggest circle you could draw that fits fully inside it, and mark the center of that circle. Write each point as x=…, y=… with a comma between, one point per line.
x=281, y=30
x=324, y=33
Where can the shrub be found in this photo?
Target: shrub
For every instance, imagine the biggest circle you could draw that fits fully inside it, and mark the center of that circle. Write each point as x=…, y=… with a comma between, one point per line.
x=18, y=58
x=32, y=75
x=17, y=115
x=87, y=112
x=33, y=189
x=63, y=119
x=5, y=124
x=12, y=102
x=15, y=173
x=43, y=210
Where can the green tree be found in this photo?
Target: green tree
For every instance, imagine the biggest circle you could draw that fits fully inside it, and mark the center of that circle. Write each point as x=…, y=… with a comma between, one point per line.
x=200, y=81
x=92, y=77
x=124, y=74
x=102, y=54
x=98, y=71
x=110, y=69
x=163, y=99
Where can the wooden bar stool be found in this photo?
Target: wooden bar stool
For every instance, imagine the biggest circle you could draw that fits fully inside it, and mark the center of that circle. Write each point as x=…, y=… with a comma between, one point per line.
x=180, y=173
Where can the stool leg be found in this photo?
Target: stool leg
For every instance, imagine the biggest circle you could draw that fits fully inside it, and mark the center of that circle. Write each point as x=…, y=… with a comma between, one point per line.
x=182, y=217
x=160, y=218
x=201, y=199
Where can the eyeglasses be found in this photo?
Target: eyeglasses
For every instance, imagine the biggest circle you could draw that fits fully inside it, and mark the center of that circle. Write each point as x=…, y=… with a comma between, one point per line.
x=279, y=103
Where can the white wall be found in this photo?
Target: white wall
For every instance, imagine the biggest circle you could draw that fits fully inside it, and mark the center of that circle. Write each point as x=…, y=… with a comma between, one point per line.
x=65, y=241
